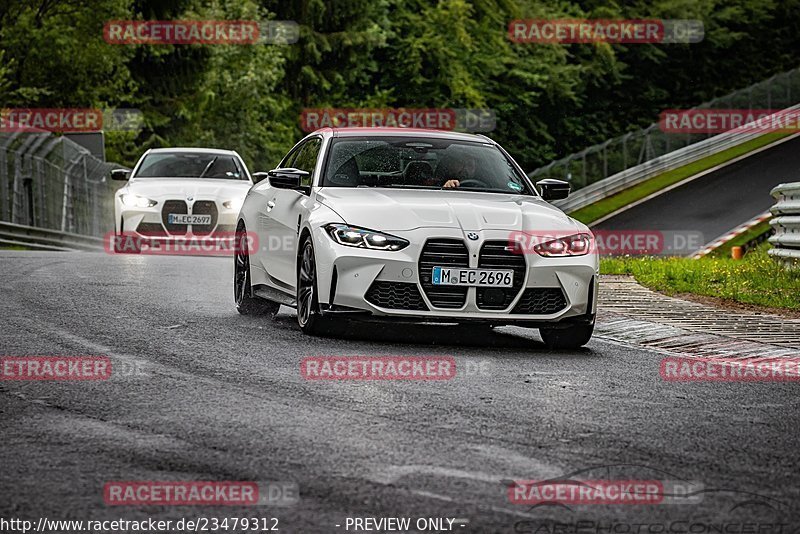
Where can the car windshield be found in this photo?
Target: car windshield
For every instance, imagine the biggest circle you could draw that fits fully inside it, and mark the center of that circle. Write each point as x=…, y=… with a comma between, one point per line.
x=421, y=163
x=190, y=165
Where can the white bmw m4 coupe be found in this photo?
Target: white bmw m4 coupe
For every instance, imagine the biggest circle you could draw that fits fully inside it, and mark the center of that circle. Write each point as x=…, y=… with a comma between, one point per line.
x=179, y=195
x=396, y=224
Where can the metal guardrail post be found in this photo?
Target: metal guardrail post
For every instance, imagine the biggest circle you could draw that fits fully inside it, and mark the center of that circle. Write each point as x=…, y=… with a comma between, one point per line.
x=4, y=214
x=786, y=222
x=67, y=215
x=19, y=203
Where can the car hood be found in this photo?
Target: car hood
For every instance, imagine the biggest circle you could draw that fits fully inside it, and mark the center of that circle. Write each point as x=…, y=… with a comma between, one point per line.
x=181, y=188
x=399, y=209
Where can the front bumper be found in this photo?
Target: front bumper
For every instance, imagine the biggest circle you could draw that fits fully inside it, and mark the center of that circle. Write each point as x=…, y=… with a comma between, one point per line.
x=153, y=222
x=386, y=285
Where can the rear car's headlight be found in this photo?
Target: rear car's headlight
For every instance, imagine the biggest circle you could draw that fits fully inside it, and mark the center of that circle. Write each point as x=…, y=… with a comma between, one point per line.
x=136, y=201
x=573, y=245
x=235, y=204
x=353, y=236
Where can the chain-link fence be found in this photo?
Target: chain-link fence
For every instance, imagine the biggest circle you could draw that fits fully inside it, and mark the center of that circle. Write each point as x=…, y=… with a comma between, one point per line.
x=48, y=181
x=621, y=153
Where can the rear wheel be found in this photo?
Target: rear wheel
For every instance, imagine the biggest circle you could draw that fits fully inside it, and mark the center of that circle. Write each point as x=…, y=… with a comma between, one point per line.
x=246, y=302
x=571, y=337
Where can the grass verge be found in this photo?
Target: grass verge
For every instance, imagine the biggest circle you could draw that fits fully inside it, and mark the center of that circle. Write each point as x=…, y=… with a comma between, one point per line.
x=611, y=204
x=756, y=279
x=740, y=240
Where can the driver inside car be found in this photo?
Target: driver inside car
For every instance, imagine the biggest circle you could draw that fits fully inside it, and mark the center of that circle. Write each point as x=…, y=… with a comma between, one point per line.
x=454, y=168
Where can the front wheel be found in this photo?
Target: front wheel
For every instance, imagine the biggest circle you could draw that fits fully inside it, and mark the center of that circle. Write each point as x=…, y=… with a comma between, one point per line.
x=571, y=337
x=309, y=318
x=246, y=302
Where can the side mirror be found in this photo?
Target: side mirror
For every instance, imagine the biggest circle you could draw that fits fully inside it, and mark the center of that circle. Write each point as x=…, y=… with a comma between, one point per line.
x=552, y=189
x=120, y=174
x=259, y=177
x=288, y=179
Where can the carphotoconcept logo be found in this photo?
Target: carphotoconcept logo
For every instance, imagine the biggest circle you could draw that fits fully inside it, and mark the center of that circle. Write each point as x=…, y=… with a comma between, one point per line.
x=574, y=31
x=378, y=368
x=204, y=32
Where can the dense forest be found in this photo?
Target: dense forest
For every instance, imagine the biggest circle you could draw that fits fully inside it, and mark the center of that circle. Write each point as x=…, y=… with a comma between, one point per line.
x=549, y=99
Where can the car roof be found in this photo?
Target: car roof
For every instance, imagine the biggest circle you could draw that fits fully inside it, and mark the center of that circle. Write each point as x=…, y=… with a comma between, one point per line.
x=404, y=132
x=192, y=150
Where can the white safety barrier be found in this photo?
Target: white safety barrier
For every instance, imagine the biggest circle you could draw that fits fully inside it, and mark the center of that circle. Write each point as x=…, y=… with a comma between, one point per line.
x=786, y=221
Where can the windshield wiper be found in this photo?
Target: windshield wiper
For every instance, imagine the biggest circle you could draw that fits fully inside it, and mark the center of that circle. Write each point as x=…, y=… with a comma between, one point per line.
x=210, y=163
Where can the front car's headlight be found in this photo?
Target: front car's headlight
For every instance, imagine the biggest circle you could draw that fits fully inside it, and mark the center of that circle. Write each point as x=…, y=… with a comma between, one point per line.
x=572, y=245
x=353, y=236
x=136, y=201
x=235, y=204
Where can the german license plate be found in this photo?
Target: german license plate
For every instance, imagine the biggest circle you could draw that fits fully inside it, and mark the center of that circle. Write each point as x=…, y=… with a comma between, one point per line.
x=183, y=218
x=448, y=276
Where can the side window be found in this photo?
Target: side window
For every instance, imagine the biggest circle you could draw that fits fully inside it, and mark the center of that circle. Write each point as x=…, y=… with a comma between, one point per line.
x=289, y=161
x=306, y=158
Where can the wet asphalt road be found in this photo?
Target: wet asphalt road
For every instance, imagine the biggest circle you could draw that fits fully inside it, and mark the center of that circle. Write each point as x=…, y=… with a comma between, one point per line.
x=218, y=396
x=719, y=201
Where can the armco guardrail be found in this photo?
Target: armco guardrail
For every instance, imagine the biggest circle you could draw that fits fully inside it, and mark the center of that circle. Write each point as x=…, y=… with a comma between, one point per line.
x=48, y=181
x=43, y=239
x=678, y=158
x=624, y=152
x=786, y=222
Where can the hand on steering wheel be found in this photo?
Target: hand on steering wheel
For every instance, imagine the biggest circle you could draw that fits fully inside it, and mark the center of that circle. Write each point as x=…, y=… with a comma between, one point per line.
x=472, y=182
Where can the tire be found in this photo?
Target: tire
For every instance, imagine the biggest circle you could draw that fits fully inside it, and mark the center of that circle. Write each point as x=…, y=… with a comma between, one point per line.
x=309, y=318
x=246, y=302
x=572, y=337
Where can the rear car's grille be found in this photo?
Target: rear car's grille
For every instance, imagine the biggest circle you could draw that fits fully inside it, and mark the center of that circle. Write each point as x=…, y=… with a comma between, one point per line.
x=449, y=253
x=151, y=229
x=174, y=206
x=395, y=296
x=205, y=207
x=495, y=256
x=541, y=301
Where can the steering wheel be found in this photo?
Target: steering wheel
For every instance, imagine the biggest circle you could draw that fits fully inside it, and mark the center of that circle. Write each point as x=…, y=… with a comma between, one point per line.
x=471, y=182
